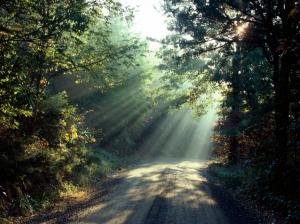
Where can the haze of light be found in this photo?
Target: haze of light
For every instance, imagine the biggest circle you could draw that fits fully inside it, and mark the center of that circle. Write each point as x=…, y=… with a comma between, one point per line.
x=181, y=135
x=149, y=19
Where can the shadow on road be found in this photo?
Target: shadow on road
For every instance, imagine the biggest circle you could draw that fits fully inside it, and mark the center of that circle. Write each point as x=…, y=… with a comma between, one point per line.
x=159, y=193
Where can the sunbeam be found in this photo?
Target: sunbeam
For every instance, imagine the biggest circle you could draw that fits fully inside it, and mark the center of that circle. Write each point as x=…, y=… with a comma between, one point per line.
x=113, y=112
x=128, y=120
x=153, y=144
x=182, y=135
x=200, y=145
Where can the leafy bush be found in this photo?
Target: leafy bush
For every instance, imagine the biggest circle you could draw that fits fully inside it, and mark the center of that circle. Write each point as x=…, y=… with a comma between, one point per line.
x=39, y=157
x=230, y=176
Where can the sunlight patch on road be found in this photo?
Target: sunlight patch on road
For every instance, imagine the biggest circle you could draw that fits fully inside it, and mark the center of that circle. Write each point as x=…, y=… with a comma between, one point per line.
x=174, y=187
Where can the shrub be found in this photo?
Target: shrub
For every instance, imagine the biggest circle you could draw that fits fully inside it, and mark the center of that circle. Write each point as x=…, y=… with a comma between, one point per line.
x=40, y=154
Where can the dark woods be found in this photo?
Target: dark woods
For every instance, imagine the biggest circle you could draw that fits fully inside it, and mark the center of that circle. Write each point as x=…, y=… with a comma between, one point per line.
x=254, y=50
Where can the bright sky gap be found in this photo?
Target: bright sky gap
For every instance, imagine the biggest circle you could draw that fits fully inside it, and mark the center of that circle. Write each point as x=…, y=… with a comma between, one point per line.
x=149, y=20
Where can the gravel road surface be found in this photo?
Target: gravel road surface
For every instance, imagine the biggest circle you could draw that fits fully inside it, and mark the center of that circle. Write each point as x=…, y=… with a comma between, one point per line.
x=164, y=192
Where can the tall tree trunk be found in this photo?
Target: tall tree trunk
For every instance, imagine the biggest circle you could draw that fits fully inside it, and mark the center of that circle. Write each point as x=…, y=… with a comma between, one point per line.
x=234, y=151
x=282, y=106
x=234, y=155
x=282, y=72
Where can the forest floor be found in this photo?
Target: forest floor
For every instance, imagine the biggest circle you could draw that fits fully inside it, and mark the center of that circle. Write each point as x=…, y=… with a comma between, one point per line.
x=157, y=192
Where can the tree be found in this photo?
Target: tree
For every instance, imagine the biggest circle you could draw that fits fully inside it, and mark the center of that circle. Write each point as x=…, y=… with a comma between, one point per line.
x=31, y=45
x=42, y=135
x=113, y=69
x=271, y=26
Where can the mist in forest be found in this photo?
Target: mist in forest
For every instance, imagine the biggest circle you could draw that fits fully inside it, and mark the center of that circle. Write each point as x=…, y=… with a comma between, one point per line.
x=182, y=135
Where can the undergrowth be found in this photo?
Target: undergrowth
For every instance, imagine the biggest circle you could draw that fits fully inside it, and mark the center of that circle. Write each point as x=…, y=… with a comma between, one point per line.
x=253, y=183
x=98, y=164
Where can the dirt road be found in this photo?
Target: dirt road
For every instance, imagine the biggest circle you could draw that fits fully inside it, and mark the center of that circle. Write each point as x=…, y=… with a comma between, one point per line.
x=161, y=193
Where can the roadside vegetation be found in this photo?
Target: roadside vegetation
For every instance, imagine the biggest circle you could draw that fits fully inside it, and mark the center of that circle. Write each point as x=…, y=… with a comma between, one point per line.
x=251, y=49
x=73, y=98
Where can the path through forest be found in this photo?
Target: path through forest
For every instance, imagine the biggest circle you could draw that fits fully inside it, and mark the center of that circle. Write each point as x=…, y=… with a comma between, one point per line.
x=164, y=192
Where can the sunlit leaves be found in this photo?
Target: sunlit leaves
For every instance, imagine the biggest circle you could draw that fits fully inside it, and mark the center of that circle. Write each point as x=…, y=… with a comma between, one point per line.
x=106, y=55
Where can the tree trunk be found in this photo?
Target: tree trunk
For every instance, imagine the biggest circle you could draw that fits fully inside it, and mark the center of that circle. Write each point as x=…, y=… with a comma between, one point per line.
x=282, y=106
x=233, y=156
x=234, y=152
x=282, y=72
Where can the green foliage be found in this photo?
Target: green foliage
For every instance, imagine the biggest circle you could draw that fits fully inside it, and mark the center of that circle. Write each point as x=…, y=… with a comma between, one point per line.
x=65, y=64
x=44, y=154
x=230, y=176
x=105, y=54
x=112, y=90
x=186, y=80
x=24, y=203
x=97, y=164
x=258, y=76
